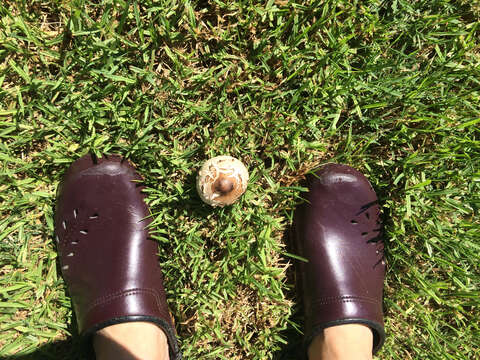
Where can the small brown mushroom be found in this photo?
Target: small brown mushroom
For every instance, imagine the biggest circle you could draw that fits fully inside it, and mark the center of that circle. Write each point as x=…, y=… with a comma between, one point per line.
x=222, y=180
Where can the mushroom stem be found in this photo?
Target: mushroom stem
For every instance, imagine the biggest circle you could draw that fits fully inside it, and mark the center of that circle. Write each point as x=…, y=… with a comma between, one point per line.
x=223, y=185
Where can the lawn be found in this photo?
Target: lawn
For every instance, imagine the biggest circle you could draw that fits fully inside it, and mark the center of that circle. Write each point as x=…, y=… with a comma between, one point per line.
x=390, y=87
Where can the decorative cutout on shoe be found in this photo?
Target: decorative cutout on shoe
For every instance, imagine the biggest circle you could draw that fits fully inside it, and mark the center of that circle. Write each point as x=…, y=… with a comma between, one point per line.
x=64, y=224
x=380, y=252
x=70, y=254
x=367, y=206
x=57, y=239
x=74, y=242
x=84, y=232
x=65, y=267
x=375, y=236
x=354, y=222
x=374, y=240
x=94, y=216
x=381, y=261
x=75, y=213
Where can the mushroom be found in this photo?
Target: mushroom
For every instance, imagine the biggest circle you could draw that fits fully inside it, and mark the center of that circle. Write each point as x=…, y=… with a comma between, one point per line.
x=222, y=180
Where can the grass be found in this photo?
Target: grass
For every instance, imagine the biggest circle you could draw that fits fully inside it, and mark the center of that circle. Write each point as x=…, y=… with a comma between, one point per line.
x=390, y=87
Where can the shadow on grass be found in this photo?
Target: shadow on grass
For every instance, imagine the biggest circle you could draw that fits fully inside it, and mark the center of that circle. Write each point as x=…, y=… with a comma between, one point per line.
x=73, y=349
x=293, y=349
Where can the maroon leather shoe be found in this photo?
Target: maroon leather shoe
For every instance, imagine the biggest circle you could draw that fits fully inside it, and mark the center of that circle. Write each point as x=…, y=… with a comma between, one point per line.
x=107, y=259
x=338, y=231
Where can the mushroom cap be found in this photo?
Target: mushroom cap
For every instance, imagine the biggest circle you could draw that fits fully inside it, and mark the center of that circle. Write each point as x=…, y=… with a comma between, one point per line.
x=222, y=180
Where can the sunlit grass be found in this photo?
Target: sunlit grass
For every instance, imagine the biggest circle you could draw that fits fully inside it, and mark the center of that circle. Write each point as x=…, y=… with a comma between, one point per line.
x=391, y=88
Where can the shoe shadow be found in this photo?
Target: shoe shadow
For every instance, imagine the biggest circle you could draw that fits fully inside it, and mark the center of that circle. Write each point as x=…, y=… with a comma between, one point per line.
x=73, y=349
x=293, y=349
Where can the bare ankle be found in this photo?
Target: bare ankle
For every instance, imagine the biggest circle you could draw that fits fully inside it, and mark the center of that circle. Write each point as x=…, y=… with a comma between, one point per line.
x=342, y=342
x=131, y=341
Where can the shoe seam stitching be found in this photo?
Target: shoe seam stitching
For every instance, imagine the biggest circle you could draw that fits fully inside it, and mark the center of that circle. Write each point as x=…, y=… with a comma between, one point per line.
x=345, y=298
x=124, y=293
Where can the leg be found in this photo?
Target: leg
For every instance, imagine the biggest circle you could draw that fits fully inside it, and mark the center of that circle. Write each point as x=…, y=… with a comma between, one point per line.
x=130, y=341
x=342, y=342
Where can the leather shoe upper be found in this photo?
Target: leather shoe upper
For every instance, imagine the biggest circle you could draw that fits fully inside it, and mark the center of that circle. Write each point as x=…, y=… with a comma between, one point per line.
x=338, y=231
x=107, y=259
